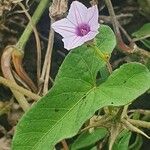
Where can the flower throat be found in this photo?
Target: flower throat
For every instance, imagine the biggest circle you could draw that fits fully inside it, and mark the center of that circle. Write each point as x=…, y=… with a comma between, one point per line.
x=83, y=30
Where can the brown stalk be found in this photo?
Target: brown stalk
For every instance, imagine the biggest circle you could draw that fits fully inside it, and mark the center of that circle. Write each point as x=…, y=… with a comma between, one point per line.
x=57, y=10
x=94, y=2
x=133, y=128
x=17, y=57
x=49, y=54
x=6, y=70
x=114, y=21
x=141, y=111
x=14, y=86
x=114, y=132
x=132, y=48
x=139, y=123
x=65, y=145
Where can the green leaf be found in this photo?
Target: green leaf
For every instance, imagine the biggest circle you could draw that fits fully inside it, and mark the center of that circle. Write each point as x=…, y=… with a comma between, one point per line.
x=143, y=34
x=146, y=42
x=144, y=31
x=137, y=143
x=75, y=97
x=72, y=101
x=86, y=139
x=122, y=142
x=105, y=40
x=94, y=148
x=45, y=124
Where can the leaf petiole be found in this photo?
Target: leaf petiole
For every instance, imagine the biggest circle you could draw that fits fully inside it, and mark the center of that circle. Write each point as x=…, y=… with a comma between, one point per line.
x=100, y=54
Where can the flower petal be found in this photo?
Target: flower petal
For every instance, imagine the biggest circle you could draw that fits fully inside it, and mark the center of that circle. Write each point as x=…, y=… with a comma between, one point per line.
x=77, y=13
x=64, y=27
x=92, y=18
x=91, y=35
x=73, y=42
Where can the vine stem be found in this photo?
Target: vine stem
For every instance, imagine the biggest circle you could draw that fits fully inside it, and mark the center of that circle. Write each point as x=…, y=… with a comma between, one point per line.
x=65, y=145
x=49, y=53
x=113, y=17
x=17, y=58
x=38, y=44
x=7, y=72
x=35, y=18
x=13, y=85
x=25, y=36
x=114, y=21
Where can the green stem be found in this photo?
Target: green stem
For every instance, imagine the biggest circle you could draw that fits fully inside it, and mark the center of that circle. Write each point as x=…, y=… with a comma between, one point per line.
x=99, y=53
x=106, y=71
x=35, y=18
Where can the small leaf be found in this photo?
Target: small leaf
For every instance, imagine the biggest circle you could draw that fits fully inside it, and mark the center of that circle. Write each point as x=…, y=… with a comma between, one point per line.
x=86, y=139
x=122, y=142
x=137, y=143
x=144, y=31
x=143, y=35
x=146, y=42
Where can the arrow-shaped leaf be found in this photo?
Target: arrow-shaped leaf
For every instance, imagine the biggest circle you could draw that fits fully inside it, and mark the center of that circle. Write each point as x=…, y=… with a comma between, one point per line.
x=75, y=97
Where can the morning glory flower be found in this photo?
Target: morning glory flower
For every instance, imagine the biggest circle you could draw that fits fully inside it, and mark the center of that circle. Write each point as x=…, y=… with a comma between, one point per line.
x=80, y=25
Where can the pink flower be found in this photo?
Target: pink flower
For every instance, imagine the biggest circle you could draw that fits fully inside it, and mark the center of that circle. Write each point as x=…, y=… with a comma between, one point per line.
x=80, y=26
